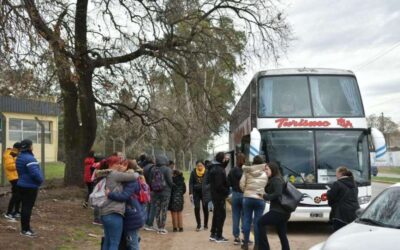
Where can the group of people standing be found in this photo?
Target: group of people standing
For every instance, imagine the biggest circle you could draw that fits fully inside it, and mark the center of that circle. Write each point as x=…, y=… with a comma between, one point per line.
x=25, y=176
x=137, y=194
x=250, y=187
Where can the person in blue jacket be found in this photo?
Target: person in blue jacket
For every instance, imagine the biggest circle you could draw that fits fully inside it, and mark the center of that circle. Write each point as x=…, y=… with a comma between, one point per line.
x=134, y=216
x=30, y=179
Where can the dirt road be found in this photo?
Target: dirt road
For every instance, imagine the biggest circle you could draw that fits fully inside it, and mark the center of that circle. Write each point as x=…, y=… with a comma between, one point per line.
x=62, y=223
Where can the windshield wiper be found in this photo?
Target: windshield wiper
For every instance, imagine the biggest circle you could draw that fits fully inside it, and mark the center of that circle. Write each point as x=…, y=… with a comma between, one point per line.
x=372, y=222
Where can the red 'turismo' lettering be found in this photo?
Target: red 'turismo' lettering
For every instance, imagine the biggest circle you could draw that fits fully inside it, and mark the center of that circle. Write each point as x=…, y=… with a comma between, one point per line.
x=285, y=122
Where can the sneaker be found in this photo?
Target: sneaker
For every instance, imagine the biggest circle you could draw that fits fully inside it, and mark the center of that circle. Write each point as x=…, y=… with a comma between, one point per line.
x=97, y=223
x=245, y=246
x=221, y=240
x=250, y=242
x=175, y=230
x=205, y=227
x=236, y=241
x=28, y=233
x=163, y=231
x=17, y=215
x=149, y=228
x=212, y=237
x=198, y=228
x=10, y=218
x=180, y=229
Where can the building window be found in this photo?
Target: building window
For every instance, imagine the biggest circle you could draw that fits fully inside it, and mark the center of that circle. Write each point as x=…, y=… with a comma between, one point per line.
x=29, y=129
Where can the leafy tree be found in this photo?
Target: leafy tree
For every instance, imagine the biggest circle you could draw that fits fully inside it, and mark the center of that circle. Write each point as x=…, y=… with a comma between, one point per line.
x=98, y=48
x=385, y=124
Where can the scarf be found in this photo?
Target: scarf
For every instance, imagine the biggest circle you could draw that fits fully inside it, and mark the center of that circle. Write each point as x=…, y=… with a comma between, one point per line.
x=200, y=173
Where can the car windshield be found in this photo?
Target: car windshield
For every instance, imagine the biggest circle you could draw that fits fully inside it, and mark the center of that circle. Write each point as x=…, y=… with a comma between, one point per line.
x=385, y=209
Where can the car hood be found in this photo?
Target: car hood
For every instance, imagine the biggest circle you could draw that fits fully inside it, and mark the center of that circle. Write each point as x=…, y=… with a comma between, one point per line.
x=357, y=236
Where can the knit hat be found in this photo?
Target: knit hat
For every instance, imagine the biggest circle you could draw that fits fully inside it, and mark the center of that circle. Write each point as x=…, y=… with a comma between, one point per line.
x=17, y=145
x=26, y=144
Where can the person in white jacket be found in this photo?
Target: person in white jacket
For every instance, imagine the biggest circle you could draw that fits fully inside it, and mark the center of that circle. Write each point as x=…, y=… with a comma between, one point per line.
x=252, y=183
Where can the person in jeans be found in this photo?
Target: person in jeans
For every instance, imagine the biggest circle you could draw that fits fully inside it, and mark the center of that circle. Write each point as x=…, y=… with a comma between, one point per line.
x=196, y=185
x=112, y=212
x=219, y=192
x=134, y=216
x=29, y=181
x=234, y=177
x=10, y=156
x=277, y=215
x=162, y=194
x=252, y=183
x=149, y=164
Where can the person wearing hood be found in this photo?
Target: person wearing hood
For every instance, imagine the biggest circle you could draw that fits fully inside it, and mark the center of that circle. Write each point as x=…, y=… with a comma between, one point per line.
x=196, y=193
x=252, y=183
x=343, y=199
x=234, y=177
x=219, y=192
x=161, y=185
x=10, y=156
x=30, y=179
x=148, y=165
x=176, y=202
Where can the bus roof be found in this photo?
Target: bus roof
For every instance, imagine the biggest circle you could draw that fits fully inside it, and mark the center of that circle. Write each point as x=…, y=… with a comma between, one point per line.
x=304, y=71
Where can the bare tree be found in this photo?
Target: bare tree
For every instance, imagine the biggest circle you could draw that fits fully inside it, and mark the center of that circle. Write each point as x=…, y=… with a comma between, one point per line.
x=99, y=47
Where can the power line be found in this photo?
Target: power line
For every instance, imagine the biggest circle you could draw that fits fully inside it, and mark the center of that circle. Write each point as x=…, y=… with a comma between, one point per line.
x=383, y=53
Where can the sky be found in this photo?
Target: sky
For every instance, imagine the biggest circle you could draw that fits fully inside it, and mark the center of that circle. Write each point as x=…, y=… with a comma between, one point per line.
x=358, y=35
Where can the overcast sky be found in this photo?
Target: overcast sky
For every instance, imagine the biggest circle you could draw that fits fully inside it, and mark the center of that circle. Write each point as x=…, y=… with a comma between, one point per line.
x=359, y=35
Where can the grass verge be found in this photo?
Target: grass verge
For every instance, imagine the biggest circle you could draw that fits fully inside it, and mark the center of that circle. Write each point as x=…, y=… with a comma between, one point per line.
x=389, y=180
x=389, y=170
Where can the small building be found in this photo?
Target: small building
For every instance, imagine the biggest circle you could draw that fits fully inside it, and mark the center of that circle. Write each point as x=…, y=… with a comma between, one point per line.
x=18, y=119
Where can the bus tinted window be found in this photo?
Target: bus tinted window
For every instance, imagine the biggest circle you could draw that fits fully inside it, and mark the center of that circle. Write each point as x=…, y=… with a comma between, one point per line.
x=342, y=148
x=335, y=96
x=294, y=150
x=285, y=96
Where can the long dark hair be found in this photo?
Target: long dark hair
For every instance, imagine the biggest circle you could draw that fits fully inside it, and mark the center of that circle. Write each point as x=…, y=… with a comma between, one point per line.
x=275, y=170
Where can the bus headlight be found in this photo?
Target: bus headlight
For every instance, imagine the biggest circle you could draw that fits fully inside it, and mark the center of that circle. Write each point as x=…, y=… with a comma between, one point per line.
x=364, y=200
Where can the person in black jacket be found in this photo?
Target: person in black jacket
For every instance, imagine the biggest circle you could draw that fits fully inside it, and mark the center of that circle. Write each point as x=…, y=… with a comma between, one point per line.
x=196, y=186
x=176, y=202
x=234, y=177
x=219, y=192
x=343, y=199
x=277, y=215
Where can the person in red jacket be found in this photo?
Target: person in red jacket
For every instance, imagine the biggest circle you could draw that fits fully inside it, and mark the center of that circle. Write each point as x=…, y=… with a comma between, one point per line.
x=89, y=168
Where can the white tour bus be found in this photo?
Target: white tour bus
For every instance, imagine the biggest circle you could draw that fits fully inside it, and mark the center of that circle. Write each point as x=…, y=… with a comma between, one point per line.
x=310, y=121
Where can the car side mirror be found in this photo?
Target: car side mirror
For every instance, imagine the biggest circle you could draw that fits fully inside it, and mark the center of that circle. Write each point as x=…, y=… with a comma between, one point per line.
x=359, y=212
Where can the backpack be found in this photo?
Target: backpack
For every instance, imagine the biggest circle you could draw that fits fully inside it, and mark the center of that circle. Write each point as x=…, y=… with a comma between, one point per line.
x=144, y=192
x=98, y=197
x=157, y=183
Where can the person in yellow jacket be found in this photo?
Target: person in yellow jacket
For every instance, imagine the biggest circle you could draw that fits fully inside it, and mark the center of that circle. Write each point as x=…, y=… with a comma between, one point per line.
x=10, y=156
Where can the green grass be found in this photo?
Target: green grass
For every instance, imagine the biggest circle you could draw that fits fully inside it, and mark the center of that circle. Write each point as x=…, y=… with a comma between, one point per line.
x=54, y=170
x=386, y=179
x=389, y=170
x=186, y=175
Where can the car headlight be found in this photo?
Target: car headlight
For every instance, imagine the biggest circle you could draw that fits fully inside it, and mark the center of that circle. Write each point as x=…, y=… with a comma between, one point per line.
x=364, y=200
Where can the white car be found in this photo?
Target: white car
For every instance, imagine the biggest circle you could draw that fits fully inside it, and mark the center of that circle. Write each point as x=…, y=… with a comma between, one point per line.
x=378, y=226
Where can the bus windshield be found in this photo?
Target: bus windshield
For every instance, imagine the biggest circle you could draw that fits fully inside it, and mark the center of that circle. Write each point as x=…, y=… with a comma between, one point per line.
x=289, y=96
x=313, y=156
